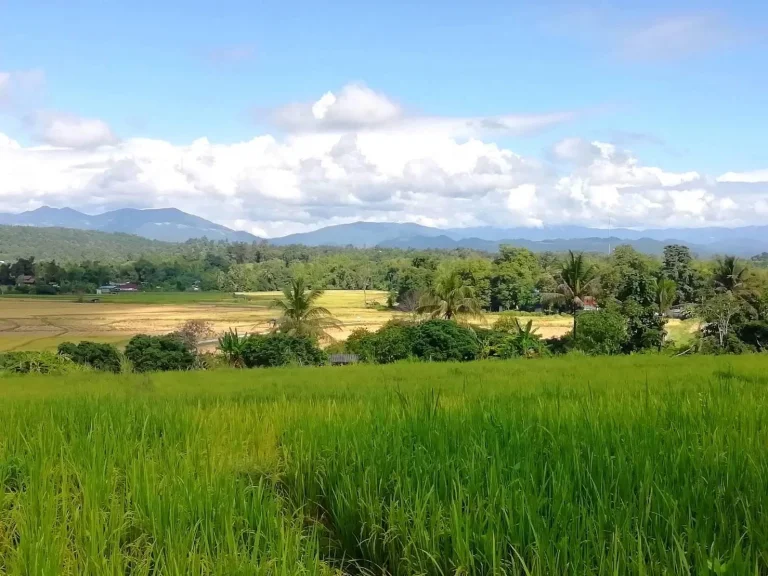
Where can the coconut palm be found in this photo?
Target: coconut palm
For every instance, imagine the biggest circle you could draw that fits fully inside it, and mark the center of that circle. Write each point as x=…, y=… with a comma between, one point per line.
x=577, y=280
x=666, y=294
x=450, y=298
x=730, y=275
x=299, y=314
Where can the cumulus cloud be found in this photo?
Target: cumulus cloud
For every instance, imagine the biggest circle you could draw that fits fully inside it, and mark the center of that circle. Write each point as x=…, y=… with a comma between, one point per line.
x=70, y=131
x=357, y=107
x=274, y=186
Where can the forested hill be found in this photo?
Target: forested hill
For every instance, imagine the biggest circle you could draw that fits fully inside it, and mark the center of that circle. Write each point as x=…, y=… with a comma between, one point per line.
x=67, y=245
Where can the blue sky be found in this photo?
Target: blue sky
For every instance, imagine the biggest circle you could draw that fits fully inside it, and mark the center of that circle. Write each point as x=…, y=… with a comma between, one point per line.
x=682, y=84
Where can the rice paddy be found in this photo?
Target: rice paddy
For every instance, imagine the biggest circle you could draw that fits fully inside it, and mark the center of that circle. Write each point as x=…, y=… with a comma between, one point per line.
x=42, y=323
x=620, y=465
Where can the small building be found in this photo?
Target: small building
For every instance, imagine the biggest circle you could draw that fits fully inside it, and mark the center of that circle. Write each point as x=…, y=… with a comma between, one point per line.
x=589, y=304
x=116, y=288
x=25, y=280
x=343, y=359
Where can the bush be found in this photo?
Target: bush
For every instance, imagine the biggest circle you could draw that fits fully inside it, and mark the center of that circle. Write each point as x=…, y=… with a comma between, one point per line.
x=194, y=331
x=560, y=344
x=444, y=340
x=601, y=332
x=98, y=356
x=35, y=363
x=281, y=350
x=710, y=344
x=755, y=334
x=361, y=342
x=159, y=353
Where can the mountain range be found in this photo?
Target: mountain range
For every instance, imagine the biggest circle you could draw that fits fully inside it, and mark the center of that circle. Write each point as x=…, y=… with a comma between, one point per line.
x=172, y=225
x=167, y=224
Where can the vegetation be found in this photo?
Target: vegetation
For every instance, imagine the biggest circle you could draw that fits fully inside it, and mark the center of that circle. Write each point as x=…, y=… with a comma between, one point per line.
x=577, y=280
x=300, y=314
x=92, y=354
x=450, y=298
x=565, y=466
x=159, y=353
x=261, y=351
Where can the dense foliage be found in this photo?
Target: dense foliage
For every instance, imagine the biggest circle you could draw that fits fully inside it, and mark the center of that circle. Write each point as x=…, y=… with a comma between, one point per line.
x=280, y=349
x=94, y=354
x=159, y=353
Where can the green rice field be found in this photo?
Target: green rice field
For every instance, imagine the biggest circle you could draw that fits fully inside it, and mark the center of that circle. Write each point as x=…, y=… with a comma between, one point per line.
x=624, y=465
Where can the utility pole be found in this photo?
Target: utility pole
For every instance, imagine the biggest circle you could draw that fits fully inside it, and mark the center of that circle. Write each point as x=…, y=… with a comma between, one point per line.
x=610, y=230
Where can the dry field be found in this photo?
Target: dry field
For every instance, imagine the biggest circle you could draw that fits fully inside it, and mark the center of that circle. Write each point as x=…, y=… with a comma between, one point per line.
x=40, y=323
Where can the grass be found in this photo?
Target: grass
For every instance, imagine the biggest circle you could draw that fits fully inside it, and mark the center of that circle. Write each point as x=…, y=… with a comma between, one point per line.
x=627, y=465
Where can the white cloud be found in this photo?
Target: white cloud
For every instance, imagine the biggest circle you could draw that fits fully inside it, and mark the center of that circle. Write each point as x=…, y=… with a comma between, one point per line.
x=359, y=108
x=69, y=131
x=436, y=171
x=275, y=187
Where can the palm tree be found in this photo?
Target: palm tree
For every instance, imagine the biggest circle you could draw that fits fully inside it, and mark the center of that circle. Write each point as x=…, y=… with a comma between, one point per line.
x=450, y=298
x=300, y=316
x=577, y=280
x=666, y=294
x=730, y=275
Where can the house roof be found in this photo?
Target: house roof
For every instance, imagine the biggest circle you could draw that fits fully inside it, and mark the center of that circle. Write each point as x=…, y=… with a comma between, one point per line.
x=343, y=358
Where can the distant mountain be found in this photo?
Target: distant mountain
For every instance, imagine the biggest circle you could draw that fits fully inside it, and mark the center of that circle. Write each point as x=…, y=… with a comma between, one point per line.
x=745, y=241
x=172, y=225
x=359, y=234
x=645, y=245
x=167, y=224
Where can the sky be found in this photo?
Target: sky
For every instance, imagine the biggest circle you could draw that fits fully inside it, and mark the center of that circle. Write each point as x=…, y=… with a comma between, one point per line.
x=282, y=117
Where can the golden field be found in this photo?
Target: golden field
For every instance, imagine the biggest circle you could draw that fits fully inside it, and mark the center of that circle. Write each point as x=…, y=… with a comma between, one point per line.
x=42, y=323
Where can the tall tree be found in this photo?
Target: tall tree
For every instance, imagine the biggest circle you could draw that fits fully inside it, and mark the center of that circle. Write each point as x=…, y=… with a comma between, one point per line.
x=450, y=298
x=577, y=280
x=300, y=314
x=677, y=266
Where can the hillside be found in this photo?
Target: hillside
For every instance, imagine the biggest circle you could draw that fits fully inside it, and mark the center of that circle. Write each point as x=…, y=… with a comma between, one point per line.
x=64, y=244
x=167, y=224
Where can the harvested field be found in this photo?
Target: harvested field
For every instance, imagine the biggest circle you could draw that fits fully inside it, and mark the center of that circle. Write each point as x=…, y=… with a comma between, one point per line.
x=42, y=323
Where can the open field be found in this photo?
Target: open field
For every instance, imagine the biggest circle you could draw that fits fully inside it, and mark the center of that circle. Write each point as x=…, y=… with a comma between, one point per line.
x=611, y=465
x=42, y=323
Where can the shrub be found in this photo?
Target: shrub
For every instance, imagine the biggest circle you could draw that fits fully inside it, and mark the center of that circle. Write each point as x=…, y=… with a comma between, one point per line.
x=281, y=350
x=360, y=342
x=35, y=363
x=159, y=353
x=393, y=342
x=755, y=334
x=601, y=332
x=710, y=344
x=96, y=355
x=560, y=344
x=444, y=340
x=194, y=331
